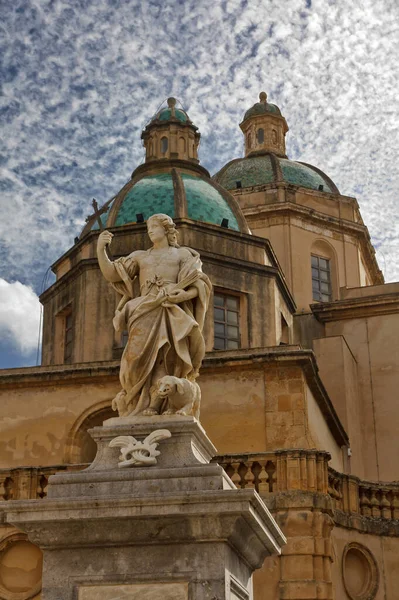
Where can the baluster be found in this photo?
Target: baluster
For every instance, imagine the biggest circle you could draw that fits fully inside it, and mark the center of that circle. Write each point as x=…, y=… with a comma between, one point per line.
x=385, y=506
x=395, y=505
x=42, y=487
x=236, y=477
x=375, y=505
x=263, y=478
x=339, y=492
x=249, y=476
x=8, y=487
x=271, y=470
x=364, y=502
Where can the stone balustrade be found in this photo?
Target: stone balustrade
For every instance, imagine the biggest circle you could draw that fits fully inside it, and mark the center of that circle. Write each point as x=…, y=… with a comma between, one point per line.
x=29, y=483
x=369, y=499
x=266, y=472
x=278, y=471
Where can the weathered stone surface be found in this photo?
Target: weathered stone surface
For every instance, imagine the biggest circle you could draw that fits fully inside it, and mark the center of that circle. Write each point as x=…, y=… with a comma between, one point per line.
x=182, y=519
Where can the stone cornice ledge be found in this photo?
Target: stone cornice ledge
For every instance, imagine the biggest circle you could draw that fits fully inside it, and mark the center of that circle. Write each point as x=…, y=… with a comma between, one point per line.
x=220, y=359
x=354, y=308
x=237, y=512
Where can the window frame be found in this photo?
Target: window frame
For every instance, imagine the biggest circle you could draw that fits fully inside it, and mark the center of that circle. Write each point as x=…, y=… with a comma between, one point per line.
x=319, y=294
x=260, y=135
x=68, y=344
x=228, y=294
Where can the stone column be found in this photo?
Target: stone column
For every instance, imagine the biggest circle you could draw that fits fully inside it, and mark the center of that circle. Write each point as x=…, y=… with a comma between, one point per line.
x=177, y=529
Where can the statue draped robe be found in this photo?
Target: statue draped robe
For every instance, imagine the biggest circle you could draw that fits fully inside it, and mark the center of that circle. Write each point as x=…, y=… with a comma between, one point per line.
x=163, y=337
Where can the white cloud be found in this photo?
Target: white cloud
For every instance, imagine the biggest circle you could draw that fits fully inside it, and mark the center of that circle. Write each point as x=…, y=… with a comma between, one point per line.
x=19, y=315
x=81, y=79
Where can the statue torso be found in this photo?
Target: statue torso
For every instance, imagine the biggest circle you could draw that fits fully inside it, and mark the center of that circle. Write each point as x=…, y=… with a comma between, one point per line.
x=164, y=263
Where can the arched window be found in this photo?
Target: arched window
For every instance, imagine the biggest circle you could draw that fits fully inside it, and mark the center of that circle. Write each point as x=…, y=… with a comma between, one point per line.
x=80, y=446
x=150, y=149
x=260, y=135
x=274, y=136
x=182, y=145
x=164, y=145
x=324, y=272
x=226, y=322
x=249, y=140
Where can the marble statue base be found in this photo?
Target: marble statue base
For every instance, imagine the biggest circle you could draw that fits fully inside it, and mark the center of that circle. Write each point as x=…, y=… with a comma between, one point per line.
x=176, y=529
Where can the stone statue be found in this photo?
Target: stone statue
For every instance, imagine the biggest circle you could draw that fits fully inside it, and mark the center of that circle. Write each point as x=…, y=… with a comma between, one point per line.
x=164, y=322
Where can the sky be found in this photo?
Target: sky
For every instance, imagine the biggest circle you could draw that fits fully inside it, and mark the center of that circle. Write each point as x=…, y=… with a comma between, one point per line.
x=80, y=79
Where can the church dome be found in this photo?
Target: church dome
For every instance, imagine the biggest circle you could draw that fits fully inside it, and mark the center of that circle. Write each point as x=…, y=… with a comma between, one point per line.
x=268, y=169
x=171, y=113
x=262, y=107
x=166, y=114
x=175, y=192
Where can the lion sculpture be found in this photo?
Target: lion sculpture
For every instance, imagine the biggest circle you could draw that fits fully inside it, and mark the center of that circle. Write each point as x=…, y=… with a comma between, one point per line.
x=173, y=395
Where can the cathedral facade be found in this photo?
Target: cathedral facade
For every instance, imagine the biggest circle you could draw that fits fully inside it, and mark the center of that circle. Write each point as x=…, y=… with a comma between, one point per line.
x=300, y=378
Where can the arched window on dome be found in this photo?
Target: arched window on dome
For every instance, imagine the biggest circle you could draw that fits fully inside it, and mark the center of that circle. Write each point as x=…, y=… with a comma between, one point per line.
x=249, y=140
x=274, y=136
x=182, y=145
x=150, y=148
x=260, y=134
x=164, y=145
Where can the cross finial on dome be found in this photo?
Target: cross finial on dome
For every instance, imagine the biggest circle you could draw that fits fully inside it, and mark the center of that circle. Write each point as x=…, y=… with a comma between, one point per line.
x=263, y=97
x=172, y=103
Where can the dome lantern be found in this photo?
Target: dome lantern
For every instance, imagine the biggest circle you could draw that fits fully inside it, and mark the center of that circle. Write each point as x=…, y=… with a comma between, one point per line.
x=171, y=135
x=264, y=128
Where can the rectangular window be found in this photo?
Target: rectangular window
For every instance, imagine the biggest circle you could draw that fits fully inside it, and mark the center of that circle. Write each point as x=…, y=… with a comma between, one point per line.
x=226, y=317
x=68, y=338
x=321, y=279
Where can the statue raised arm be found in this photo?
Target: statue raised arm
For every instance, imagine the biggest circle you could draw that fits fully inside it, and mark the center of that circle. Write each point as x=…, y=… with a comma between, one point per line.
x=165, y=322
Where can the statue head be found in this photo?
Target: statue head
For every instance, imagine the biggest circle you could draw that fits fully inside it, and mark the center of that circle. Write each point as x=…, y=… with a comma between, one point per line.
x=168, y=226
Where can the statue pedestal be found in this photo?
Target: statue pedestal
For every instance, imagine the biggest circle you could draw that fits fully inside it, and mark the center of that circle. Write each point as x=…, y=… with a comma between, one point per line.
x=178, y=529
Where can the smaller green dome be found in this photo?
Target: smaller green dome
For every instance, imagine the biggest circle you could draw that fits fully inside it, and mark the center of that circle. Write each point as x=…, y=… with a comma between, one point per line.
x=262, y=107
x=171, y=112
x=269, y=168
x=166, y=114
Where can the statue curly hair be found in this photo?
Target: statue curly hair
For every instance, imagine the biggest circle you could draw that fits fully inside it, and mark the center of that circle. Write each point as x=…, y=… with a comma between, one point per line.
x=170, y=228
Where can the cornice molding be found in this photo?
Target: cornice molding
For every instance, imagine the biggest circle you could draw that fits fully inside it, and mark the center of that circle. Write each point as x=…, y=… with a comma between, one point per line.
x=285, y=356
x=355, y=308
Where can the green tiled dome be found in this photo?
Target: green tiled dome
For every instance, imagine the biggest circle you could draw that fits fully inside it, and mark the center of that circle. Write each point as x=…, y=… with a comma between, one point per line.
x=269, y=168
x=256, y=170
x=303, y=175
x=150, y=195
x=155, y=193
x=165, y=114
x=261, y=108
x=205, y=203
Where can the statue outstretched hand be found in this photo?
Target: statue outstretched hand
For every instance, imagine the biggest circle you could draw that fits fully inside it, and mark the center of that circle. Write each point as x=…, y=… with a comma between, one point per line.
x=104, y=239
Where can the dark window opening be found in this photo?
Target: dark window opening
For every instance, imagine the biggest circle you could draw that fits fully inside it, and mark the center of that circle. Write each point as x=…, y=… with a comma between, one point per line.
x=261, y=136
x=321, y=279
x=164, y=145
x=226, y=313
x=285, y=339
x=68, y=338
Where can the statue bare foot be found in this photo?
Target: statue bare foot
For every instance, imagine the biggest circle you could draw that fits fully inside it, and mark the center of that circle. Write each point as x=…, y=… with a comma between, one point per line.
x=149, y=412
